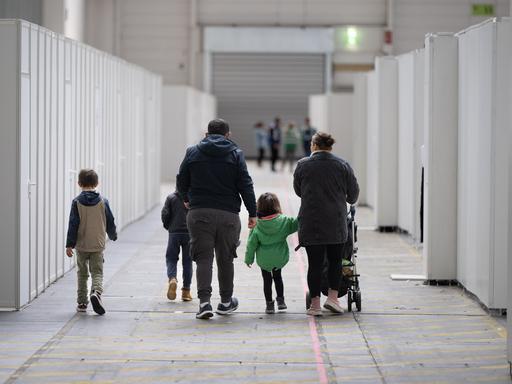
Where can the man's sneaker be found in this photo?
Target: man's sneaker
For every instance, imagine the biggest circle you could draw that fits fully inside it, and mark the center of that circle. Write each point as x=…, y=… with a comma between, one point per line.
x=185, y=294
x=205, y=311
x=81, y=308
x=223, y=309
x=270, y=308
x=281, y=305
x=333, y=306
x=171, y=290
x=97, y=305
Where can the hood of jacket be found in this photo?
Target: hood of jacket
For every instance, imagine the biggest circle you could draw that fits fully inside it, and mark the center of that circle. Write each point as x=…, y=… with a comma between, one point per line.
x=89, y=198
x=269, y=228
x=216, y=145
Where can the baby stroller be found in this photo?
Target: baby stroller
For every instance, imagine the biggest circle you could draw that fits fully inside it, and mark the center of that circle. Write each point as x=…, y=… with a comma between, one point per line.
x=349, y=284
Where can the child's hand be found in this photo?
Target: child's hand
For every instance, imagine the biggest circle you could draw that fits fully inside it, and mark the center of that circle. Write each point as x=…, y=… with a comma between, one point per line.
x=249, y=265
x=69, y=252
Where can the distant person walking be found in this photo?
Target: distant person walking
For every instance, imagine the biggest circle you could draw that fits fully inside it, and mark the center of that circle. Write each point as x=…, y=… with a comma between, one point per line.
x=211, y=179
x=325, y=183
x=261, y=136
x=174, y=219
x=90, y=221
x=307, y=135
x=291, y=142
x=274, y=140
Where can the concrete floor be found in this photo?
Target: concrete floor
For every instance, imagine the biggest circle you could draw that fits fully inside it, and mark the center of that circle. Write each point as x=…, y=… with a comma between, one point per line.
x=406, y=333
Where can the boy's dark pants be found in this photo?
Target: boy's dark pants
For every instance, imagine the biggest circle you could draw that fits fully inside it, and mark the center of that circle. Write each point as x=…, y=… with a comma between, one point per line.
x=213, y=230
x=177, y=241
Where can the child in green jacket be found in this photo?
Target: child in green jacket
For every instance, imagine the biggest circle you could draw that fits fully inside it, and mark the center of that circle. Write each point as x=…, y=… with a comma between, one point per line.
x=268, y=241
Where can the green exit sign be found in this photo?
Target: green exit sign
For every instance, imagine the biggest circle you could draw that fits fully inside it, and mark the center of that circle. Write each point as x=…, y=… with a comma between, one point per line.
x=483, y=9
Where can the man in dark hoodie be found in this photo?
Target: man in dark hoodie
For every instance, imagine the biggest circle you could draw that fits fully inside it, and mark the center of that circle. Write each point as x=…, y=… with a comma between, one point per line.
x=90, y=221
x=211, y=179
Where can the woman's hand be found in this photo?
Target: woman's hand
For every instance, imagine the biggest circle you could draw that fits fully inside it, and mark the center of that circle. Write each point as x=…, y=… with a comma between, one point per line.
x=69, y=252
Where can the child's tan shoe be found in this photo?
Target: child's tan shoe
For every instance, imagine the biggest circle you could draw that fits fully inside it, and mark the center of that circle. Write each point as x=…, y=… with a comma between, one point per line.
x=185, y=294
x=171, y=290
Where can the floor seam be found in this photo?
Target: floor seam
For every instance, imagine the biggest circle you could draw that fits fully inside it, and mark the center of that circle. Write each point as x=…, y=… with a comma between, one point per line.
x=370, y=352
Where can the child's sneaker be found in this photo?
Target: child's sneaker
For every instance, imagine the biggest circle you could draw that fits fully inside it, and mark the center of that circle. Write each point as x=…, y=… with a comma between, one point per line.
x=171, y=290
x=97, y=305
x=281, y=305
x=270, y=308
x=185, y=294
x=81, y=308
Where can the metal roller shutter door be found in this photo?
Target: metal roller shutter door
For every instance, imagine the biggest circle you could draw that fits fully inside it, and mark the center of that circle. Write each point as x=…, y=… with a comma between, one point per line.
x=253, y=87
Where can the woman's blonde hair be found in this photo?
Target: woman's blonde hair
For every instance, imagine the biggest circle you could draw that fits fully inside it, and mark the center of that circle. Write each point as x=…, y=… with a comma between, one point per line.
x=323, y=140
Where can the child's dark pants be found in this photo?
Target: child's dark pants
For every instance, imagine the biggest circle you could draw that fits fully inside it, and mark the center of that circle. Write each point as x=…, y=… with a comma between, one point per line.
x=177, y=241
x=267, y=283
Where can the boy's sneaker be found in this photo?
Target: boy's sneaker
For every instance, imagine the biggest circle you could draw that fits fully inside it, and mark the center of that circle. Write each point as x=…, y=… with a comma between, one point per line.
x=281, y=305
x=223, y=309
x=81, y=308
x=171, y=290
x=97, y=305
x=205, y=311
x=270, y=308
x=185, y=294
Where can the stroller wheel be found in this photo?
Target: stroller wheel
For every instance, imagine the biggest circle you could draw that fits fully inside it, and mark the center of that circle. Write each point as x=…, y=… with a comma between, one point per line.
x=358, y=300
x=308, y=300
x=349, y=301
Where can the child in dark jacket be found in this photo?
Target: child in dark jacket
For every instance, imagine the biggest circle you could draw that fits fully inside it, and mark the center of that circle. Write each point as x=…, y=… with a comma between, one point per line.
x=174, y=219
x=268, y=241
x=90, y=221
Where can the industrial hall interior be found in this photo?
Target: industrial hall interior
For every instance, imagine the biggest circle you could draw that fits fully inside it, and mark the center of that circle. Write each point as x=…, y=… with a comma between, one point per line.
x=255, y=191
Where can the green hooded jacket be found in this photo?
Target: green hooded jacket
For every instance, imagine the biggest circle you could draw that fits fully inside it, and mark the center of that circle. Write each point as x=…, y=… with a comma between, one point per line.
x=268, y=241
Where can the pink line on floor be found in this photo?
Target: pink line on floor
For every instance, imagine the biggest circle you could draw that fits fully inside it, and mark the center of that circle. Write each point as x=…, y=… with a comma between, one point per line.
x=313, y=331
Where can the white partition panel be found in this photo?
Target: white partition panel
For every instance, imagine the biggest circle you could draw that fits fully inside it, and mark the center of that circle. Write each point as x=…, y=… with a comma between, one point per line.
x=371, y=137
x=359, y=134
x=509, y=267
x=410, y=140
x=484, y=125
x=440, y=198
x=185, y=116
x=386, y=151
x=333, y=114
x=66, y=106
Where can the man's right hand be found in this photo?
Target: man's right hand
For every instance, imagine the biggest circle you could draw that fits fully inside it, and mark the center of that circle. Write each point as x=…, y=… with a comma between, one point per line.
x=186, y=204
x=69, y=252
x=252, y=222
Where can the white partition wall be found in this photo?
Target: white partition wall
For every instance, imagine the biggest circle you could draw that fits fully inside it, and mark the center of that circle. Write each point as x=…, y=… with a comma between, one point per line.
x=509, y=266
x=332, y=113
x=440, y=197
x=359, y=133
x=371, y=139
x=66, y=106
x=185, y=116
x=386, y=148
x=410, y=140
x=484, y=125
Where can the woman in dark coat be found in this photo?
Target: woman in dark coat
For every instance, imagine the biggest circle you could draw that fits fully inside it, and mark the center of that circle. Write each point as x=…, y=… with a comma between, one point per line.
x=325, y=183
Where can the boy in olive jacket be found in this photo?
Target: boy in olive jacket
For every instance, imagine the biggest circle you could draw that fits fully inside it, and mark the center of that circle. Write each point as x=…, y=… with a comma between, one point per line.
x=268, y=242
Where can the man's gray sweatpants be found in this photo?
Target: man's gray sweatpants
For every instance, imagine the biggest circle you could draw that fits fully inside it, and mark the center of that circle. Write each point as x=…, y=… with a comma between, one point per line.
x=213, y=230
